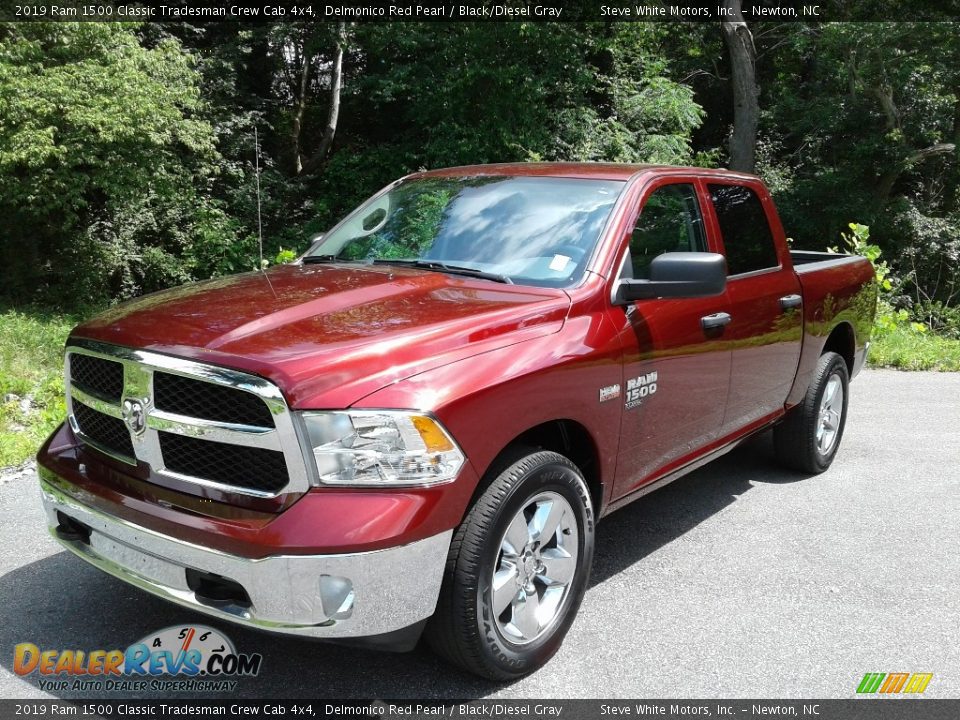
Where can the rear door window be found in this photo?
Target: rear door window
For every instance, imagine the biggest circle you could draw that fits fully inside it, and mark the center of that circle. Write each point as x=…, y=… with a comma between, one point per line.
x=745, y=230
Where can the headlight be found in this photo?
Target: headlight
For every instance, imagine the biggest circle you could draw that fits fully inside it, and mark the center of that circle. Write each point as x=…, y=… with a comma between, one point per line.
x=381, y=447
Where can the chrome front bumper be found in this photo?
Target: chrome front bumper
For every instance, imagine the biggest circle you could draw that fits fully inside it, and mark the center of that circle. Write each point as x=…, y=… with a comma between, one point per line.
x=357, y=595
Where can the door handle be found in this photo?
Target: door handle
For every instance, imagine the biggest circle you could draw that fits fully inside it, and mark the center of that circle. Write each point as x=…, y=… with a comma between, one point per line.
x=717, y=320
x=788, y=302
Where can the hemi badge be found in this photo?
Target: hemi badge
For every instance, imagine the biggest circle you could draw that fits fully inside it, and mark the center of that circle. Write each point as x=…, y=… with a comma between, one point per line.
x=609, y=392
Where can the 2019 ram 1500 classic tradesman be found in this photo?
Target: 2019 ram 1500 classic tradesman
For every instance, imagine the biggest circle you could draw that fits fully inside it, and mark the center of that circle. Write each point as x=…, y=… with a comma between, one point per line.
x=414, y=428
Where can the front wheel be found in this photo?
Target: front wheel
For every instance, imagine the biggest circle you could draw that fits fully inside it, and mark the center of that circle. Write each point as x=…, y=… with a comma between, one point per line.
x=808, y=438
x=517, y=570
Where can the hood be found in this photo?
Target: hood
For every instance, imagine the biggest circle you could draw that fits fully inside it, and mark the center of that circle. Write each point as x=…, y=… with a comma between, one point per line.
x=329, y=335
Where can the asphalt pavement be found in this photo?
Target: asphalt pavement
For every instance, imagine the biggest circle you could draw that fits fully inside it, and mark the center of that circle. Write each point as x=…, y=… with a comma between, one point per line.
x=740, y=580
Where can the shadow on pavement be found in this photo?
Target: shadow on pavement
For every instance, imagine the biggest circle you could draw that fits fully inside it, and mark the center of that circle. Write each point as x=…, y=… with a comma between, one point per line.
x=629, y=535
x=61, y=603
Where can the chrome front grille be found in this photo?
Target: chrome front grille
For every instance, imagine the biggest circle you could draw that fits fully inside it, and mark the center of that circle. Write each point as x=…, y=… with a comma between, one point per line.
x=98, y=376
x=185, y=396
x=107, y=432
x=251, y=468
x=189, y=421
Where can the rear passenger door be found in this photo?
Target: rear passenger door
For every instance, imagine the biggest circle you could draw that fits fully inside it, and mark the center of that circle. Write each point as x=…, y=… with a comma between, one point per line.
x=763, y=300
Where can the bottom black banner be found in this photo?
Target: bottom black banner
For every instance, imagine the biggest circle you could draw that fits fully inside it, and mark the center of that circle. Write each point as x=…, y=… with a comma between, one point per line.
x=854, y=709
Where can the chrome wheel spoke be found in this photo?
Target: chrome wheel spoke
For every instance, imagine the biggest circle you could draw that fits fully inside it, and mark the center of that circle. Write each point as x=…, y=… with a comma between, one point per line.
x=517, y=537
x=505, y=588
x=830, y=392
x=525, y=617
x=545, y=521
x=558, y=567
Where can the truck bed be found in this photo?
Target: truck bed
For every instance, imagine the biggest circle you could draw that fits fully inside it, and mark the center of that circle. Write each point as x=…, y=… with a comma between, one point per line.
x=837, y=290
x=807, y=260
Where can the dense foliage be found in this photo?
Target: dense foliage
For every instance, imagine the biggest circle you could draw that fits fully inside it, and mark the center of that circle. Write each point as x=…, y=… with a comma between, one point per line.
x=127, y=152
x=106, y=163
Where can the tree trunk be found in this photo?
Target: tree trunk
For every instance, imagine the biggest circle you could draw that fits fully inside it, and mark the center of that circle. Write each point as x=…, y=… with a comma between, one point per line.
x=743, y=71
x=889, y=178
x=852, y=74
x=956, y=119
x=891, y=112
x=298, y=114
x=333, y=114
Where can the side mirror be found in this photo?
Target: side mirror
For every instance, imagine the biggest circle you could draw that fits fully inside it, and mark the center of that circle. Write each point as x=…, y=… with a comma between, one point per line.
x=315, y=240
x=677, y=275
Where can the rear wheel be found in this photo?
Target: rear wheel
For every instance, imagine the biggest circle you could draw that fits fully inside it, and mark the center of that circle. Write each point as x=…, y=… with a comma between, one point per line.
x=517, y=570
x=808, y=438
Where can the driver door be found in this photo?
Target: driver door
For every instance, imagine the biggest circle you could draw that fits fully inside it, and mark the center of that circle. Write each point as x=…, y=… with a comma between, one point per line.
x=676, y=374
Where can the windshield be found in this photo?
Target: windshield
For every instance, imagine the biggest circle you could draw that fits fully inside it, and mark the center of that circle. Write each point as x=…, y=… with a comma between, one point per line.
x=526, y=230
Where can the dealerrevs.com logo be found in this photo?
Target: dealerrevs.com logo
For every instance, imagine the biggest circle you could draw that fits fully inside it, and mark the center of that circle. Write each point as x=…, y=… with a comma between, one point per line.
x=186, y=658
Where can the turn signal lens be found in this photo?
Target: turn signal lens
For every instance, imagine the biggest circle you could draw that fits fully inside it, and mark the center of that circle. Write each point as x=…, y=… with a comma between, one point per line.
x=434, y=437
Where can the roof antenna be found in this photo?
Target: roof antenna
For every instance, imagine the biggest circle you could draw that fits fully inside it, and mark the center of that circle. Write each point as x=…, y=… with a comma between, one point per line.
x=256, y=145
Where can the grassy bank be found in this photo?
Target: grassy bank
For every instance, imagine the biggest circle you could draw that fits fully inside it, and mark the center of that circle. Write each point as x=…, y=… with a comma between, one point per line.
x=906, y=349
x=31, y=372
x=31, y=380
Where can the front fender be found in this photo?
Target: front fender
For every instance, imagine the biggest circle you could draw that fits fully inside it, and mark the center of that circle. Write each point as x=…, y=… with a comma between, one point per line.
x=488, y=400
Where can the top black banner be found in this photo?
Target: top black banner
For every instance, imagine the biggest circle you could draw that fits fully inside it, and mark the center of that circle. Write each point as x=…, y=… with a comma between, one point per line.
x=195, y=11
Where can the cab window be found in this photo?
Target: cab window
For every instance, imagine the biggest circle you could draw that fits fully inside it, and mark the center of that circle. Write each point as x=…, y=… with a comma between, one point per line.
x=670, y=221
x=746, y=233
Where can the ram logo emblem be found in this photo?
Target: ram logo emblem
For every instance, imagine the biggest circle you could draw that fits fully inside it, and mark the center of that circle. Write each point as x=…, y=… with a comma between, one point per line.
x=134, y=416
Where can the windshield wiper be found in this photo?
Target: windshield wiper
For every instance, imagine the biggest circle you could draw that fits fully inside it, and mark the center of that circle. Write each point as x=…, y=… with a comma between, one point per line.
x=445, y=267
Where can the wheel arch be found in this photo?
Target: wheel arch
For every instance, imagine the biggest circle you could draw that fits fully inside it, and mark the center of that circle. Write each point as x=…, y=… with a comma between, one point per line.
x=842, y=341
x=562, y=435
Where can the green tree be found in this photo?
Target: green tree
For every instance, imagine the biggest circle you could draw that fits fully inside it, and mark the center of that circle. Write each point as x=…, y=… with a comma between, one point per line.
x=864, y=120
x=522, y=91
x=105, y=161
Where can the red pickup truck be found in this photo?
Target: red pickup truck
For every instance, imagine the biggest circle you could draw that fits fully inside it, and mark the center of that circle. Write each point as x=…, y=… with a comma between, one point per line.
x=413, y=429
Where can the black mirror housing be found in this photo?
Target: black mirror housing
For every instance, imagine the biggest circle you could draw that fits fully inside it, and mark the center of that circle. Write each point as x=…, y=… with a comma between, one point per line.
x=678, y=275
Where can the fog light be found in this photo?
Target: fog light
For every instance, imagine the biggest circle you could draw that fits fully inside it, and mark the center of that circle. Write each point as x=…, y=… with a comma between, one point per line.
x=336, y=595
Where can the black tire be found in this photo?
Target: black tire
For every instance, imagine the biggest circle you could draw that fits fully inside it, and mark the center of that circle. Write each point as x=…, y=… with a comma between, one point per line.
x=463, y=629
x=796, y=438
